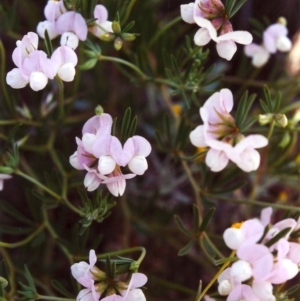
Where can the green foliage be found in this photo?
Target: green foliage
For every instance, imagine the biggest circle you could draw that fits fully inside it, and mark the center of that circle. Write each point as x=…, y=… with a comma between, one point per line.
x=28, y=292
x=97, y=209
x=270, y=105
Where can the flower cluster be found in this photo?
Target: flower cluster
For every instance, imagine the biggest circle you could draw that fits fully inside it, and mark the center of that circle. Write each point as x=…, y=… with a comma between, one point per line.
x=102, y=155
x=260, y=264
x=33, y=65
x=210, y=15
x=35, y=68
x=220, y=133
x=70, y=24
x=274, y=39
x=99, y=286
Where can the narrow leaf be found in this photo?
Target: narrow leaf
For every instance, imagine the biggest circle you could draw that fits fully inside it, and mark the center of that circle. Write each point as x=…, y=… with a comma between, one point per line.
x=281, y=234
x=236, y=8
x=206, y=219
x=185, y=250
x=57, y=285
x=180, y=225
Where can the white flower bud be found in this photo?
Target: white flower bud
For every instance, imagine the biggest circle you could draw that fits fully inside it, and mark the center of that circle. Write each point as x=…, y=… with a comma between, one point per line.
x=15, y=79
x=69, y=39
x=233, y=238
x=106, y=165
x=46, y=25
x=66, y=72
x=79, y=269
x=241, y=271
x=283, y=44
x=224, y=287
x=38, y=80
x=138, y=165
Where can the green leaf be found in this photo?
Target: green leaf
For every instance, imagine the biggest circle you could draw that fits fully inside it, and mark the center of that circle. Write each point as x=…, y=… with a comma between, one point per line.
x=89, y=64
x=248, y=123
x=57, y=285
x=180, y=226
x=235, y=9
x=268, y=97
x=128, y=26
x=15, y=213
x=48, y=44
x=132, y=127
x=159, y=141
x=125, y=124
x=292, y=290
x=185, y=250
x=264, y=106
x=196, y=217
x=279, y=235
x=277, y=102
x=224, y=260
x=206, y=219
x=194, y=157
x=229, y=6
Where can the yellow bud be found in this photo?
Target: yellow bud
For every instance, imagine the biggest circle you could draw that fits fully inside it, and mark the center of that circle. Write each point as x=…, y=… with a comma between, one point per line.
x=237, y=225
x=118, y=44
x=281, y=120
x=265, y=118
x=177, y=109
x=99, y=110
x=283, y=196
x=107, y=37
x=116, y=27
x=282, y=21
x=128, y=37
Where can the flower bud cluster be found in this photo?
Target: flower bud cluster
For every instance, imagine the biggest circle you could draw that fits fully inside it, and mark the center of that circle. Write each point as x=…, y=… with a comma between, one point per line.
x=220, y=133
x=274, y=39
x=260, y=265
x=211, y=16
x=99, y=286
x=102, y=155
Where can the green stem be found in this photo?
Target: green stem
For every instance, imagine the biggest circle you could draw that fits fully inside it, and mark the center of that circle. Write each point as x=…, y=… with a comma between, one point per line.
x=129, y=250
x=2, y=79
x=163, y=29
x=224, y=266
x=255, y=203
x=41, y=297
x=271, y=129
x=11, y=272
x=61, y=100
x=195, y=186
x=24, y=241
x=23, y=121
x=121, y=61
x=38, y=184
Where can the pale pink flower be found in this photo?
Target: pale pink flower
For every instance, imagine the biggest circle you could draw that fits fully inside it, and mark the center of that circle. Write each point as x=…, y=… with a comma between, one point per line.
x=2, y=178
x=209, y=15
x=226, y=46
x=28, y=44
x=220, y=133
x=225, y=282
x=54, y=9
x=263, y=290
x=275, y=38
x=64, y=60
x=259, y=54
x=242, y=292
x=72, y=22
x=102, y=25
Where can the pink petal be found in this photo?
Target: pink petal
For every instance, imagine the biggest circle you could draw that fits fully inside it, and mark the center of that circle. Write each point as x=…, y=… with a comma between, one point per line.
x=226, y=49
x=216, y=160
x=101, y=123
x=187, y=12
x=202, y=37
x=202, y=22
x=241, y=37
x=15, y=79
x=72, y=21
x=101, y=13
x=197, y=136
